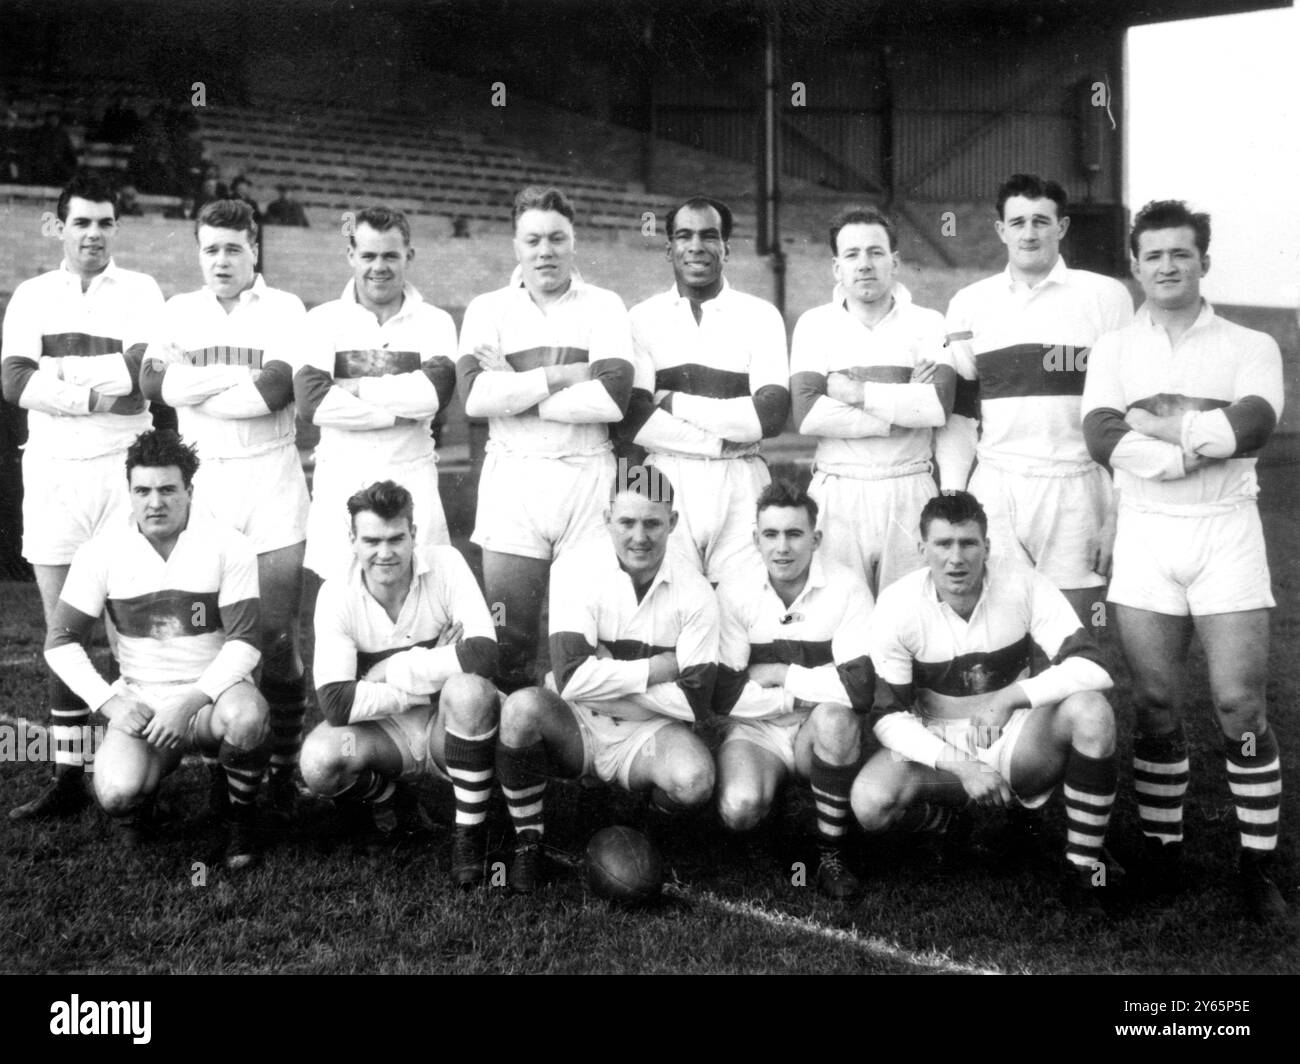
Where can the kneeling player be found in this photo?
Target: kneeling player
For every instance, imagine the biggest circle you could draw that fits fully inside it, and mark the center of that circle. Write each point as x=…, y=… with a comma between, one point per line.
x=793, y=668
x=405, y=652
x=634, y=646
x=183, y=597
x=971, y=726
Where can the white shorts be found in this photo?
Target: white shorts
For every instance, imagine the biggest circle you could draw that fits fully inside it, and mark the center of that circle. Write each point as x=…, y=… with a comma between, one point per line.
x=610, y=744
x=158, y=695
x=410, y=732
x=329, y=546
x=539, y=507
x=995, y=750
x=1051, y=523
x=777, y=735
x=67, y=501
x=872, y=526
x=1198, y=565
x=264, y=497
x=714, y=500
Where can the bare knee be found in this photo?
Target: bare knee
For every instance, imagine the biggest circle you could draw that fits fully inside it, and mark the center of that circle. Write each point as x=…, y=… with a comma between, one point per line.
x=690, y=781
x=836, y=732
x=1241, y=710
x=876, y=805
x=469, y=703
x=245, y=720
x=1092, y=722
x=328, y=756
x=741, y=806
x=116, y=795
x=522, y=716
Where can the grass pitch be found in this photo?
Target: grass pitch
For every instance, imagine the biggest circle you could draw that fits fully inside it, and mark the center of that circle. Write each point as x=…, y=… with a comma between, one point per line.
x=71, y=901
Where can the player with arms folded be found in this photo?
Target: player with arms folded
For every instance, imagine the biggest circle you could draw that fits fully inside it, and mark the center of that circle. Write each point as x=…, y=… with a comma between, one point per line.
x=405, y=653
x=1020, y=342
x=182, y=592
x=224, y=357
x=1177, y=404
x=793, y=675
x=73, y=339
x=711, y=382
x=548, y=361
x=871, y=377
x=634, y=646
x=968, y=724
x=379, y=366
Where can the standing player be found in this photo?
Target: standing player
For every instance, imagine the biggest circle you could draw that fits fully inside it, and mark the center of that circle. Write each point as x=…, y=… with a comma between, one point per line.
x=378, y=367
x=793, y=672
x=405, y=652
x=969, y=724
x=1177, y=404
x=182, y=592
x=73, y=339
x=548, y=360
x=224, y=357
x=711, y=382
x=871, y=376
x=1020, y=343
x=634, y=645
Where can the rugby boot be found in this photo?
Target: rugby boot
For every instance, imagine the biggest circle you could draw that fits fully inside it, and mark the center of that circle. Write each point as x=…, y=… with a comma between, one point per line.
x=833, y=876
x=468, y=852
x=242, y=850
x=1081, y=893
x=526, y=870
x=65, y=795
x=1259, y=892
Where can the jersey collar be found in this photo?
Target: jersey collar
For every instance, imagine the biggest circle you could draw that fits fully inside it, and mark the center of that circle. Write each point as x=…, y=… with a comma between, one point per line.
x=725, y=298
x=411, y=298
x=255, y=291
x=1058, y=274
x=110, y=274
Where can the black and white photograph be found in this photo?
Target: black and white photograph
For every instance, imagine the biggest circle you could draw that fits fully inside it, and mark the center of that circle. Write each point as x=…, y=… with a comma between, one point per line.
x=664, y=487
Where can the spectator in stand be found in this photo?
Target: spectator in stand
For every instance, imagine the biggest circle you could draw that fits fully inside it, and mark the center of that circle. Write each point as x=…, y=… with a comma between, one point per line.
x=54, y=156
x=120, y=124
x=128, y=206
x=13, y=147
x=284, y=210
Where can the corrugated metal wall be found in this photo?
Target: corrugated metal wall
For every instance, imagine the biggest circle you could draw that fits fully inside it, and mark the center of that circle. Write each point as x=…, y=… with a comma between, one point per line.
x=963, y=114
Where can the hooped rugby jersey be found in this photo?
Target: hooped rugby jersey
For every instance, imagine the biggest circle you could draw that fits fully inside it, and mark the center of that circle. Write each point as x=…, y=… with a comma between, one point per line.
x=945, y=667
x=1021, y=355
x=701, y=386
x=354, y=633
x=822, y=635
x=189, y=618
x=587, y=324
x=405, y=372
x=60, y=342
x=595, y=612
x=892, y=431
x=232, y=386
x=1223, y=379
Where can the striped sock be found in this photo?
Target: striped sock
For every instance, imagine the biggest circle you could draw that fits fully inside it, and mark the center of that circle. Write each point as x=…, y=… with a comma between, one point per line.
x=1090, y=784
x=288, y=702
x=830, y=786
x=1255, y=780
x=1160, y=774
x=522, y=771
x=369, y=786
x=69, y=729
x=923, y=816
x=244, y=770
x=470, y=764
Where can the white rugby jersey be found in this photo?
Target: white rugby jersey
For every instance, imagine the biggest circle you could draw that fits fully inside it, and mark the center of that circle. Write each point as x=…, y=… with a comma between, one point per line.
x=354, y=633
x=892, y=432
x=587, y=324
x=406, y=372
x=700, y=386
x=1226, y=382
x=1022, y=353
x=594, y=607
x=821, y=635
x=945, y=666
x=60, y=342
x=190, y=618
x=233, y=393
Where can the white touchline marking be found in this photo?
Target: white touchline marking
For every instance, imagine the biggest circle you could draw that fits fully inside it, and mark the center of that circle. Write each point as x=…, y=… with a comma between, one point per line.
x=877, y=947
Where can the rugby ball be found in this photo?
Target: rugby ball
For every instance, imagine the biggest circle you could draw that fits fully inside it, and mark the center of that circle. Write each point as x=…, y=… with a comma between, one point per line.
x=624, y=866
